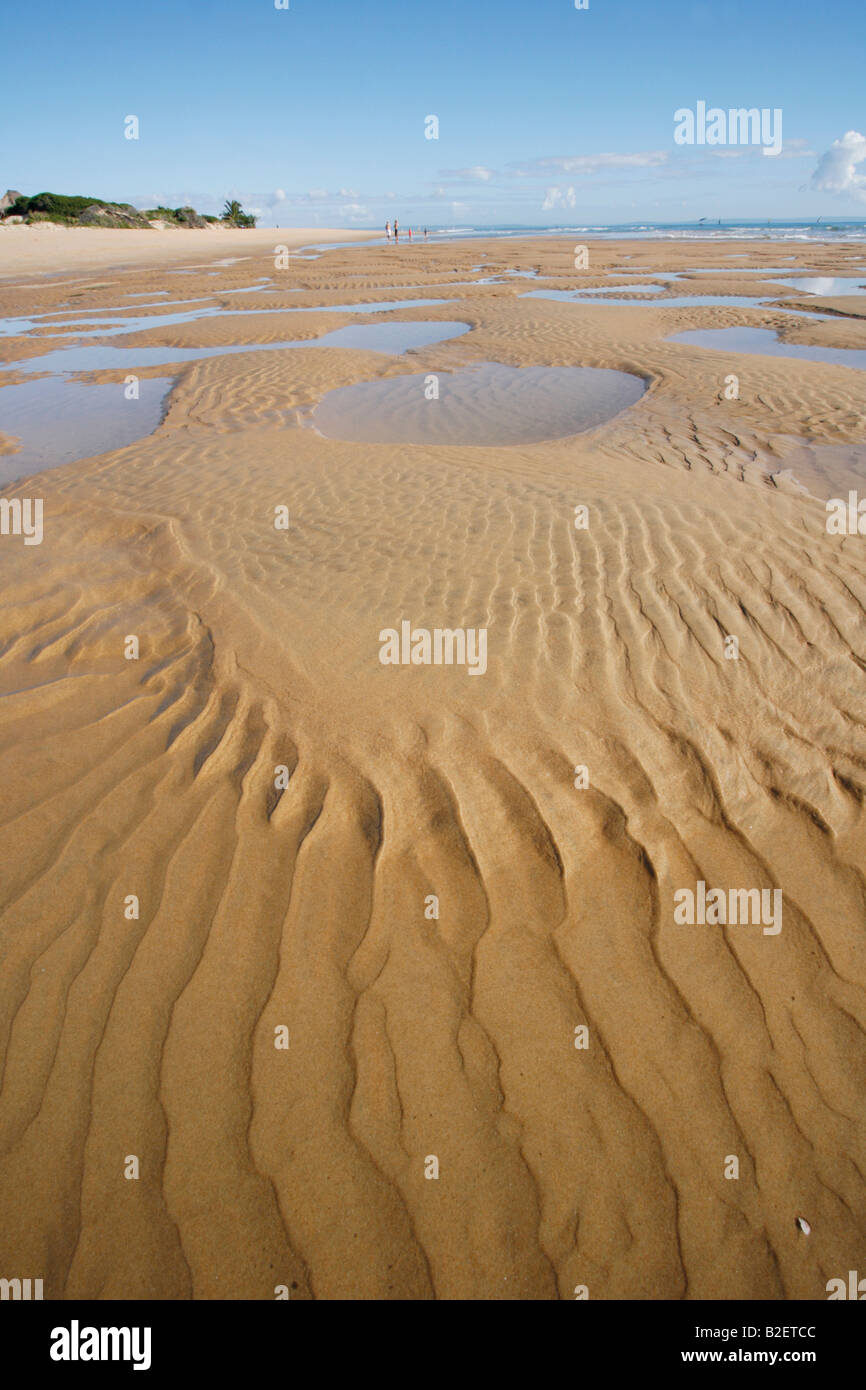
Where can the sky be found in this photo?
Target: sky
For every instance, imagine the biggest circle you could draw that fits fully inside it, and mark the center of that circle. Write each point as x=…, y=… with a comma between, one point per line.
x=318, y=114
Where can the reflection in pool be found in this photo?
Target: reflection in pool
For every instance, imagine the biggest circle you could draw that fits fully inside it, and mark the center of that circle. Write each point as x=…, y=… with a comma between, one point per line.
x=486, y=404
x=114, y=323
x=392, y=338
x=826, y=284
x=690, y=301
x=765, y=342
x=59, y=420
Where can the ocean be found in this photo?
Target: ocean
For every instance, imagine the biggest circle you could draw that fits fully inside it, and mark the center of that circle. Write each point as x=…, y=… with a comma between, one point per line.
x=708, y=229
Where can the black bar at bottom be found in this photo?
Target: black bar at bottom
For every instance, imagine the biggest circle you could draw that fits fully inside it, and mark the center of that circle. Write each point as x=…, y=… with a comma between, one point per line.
x=66, y=1339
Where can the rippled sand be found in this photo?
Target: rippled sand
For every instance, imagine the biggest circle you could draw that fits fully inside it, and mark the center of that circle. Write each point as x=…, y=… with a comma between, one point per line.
x=307, y=906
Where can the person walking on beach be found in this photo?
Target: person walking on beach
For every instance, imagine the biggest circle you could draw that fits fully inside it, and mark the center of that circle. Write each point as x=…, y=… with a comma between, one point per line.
x=410, y=233
x=388, y=231
x=425, y=233
x=396, y=233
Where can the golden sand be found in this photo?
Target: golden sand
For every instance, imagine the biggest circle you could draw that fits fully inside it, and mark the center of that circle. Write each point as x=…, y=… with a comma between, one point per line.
x=411, y=1037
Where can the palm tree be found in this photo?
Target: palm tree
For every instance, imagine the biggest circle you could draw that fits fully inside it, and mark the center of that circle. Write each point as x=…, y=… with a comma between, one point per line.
x=233, y=212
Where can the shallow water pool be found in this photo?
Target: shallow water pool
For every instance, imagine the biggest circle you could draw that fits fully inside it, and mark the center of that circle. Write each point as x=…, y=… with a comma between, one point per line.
x=394, y=338
x=484, y=405
x=59, y=420
x=763, y=341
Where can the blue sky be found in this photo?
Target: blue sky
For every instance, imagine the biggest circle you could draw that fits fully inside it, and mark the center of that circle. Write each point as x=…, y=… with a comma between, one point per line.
x=315, y=115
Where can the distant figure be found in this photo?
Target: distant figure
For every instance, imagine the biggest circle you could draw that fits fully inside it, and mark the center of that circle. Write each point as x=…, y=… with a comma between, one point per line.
x=425, y=233
x=396, y=232
x=388, y=230
x=410, y=233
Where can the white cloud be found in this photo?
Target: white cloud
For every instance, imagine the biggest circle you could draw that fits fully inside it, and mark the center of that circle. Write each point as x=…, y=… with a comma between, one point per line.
x=317, y=194
x=477, y=174
x=348, y=192
x=837, y=167
x=591, y=163
x=559, y=198
x=794, y=149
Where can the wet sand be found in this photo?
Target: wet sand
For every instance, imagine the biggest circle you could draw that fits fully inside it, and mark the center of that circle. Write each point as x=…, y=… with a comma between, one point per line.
x=285, y=808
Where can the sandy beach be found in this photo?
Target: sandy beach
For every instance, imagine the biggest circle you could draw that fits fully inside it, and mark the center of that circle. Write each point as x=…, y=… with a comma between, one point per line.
x=375, y=969
x=52, y=249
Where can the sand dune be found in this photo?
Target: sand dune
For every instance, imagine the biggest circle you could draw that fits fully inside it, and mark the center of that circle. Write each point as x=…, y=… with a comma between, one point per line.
x=303, y=906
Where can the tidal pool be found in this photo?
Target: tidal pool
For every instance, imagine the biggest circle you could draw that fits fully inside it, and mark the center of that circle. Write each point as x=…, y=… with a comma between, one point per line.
x=59, y=420
x=762, y=271
x=393, y=337
x=486, y=404
x=579, y=296
x=690, y=301
x=119, y=321
x=763, y=341
x=826, y=285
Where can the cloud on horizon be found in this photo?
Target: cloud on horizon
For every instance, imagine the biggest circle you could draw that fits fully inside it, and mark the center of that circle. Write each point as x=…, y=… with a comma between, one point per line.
x=529, y=185
x=559, y=198
x=837, y=167
x=588, y=163
x=477, y=174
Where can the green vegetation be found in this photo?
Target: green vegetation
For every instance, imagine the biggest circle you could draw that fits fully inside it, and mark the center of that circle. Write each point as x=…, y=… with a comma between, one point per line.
x=59, y=207
x=234, y=214
x=161, y=214
x=78, y=211
x=179, y=217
